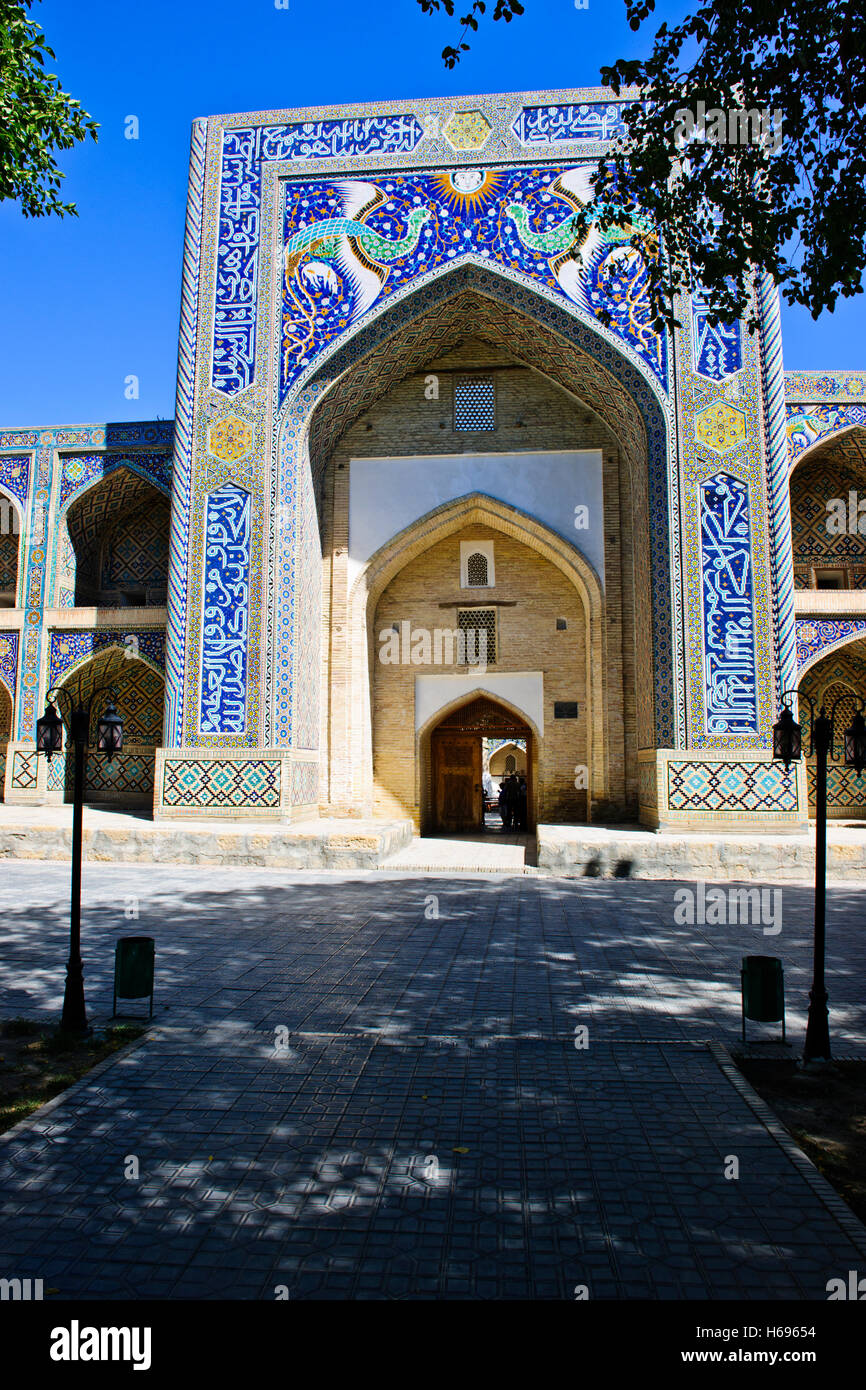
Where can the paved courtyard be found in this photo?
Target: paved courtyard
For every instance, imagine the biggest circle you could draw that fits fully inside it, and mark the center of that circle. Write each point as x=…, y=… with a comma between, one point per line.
x=368, y=1086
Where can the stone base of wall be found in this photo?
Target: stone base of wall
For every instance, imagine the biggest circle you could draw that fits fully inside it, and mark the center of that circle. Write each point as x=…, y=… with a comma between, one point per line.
x=110, y=837
x=239, y=783
x=702, y=789
x=607, y=852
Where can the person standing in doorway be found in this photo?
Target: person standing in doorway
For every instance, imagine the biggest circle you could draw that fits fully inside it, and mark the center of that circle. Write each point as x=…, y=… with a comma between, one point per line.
x=503, y=804
x=521, y=804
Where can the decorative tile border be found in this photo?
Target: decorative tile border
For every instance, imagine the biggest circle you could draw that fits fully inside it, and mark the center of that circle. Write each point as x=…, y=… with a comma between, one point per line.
x=806, y=387
x=9, y=662
x=69, y=648
x=816, y=637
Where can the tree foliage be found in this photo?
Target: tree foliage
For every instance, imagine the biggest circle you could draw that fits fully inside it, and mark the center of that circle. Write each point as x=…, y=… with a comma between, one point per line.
x=37, y=118
x=728, y=197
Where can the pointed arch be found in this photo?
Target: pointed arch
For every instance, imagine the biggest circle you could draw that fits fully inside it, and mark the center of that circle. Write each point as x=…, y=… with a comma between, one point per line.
x=475, y=509
x=546, y=338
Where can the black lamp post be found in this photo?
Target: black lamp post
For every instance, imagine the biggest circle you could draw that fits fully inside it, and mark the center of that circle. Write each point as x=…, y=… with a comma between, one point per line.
x=49, y=740
x=788, y=748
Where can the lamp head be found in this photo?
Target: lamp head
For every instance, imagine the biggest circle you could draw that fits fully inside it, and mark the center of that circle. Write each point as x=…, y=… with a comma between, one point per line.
x=787, y=739
x=109, y=732
x=49, y=731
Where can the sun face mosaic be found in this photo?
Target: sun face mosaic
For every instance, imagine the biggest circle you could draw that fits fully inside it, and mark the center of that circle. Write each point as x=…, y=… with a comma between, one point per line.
x=350, y=243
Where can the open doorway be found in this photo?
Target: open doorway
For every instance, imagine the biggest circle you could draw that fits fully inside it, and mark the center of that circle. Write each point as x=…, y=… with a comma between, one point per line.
x=459, y=802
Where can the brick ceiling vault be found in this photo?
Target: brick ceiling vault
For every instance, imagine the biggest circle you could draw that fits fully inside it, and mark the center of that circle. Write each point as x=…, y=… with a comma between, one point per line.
x=98, y=510
x=382, y=355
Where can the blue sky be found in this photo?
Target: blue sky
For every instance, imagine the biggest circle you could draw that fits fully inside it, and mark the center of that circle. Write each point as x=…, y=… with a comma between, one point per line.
x=88, y=302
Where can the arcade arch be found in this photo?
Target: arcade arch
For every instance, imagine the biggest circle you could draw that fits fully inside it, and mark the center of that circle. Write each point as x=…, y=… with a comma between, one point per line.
x=115, y=549
x=139, y=690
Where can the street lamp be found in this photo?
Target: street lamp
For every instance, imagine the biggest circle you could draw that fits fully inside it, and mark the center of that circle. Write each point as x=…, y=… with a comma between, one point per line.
x=49, y=740
x=788, y=748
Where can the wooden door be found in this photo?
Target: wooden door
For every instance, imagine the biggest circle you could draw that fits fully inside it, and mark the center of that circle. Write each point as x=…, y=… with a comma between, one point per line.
x=457, y=782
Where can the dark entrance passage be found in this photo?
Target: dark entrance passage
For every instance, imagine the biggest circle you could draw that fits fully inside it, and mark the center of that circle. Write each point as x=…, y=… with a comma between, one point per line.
x=456, y=787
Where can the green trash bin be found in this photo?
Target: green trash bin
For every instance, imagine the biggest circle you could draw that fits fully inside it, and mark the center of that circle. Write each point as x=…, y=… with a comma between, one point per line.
x=133, y=969
x=763, y=991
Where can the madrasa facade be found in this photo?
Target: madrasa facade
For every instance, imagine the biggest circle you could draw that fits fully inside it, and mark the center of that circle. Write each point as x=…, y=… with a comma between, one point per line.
x=418, y=500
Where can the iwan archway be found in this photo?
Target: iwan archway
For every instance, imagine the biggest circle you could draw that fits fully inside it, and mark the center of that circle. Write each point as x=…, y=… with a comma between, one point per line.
x=557, y=402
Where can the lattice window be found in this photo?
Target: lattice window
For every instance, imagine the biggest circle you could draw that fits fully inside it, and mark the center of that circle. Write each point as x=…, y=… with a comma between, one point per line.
x=476, y=570
x=479, y=625
x=474, y=403
x=510, y=764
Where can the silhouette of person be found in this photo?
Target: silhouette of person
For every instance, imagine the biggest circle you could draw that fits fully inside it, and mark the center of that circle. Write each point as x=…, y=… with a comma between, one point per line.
x=521, y=804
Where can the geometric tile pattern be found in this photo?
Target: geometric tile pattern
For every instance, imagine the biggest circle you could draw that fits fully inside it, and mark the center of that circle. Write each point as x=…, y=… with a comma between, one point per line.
x=816, y=386
x=647, y=783
x=130, y=771
x=840, y=676
x=135, y=549
x=720, y=427
x=80, y=470
x=305, y=784
x=210, y=782
x=5, y=716
x=718, y=786
x=846, y=792
x=8, y=559
x=467, y=130
x=125, y=500
x=137, y=689
x=231, y=439
x=24, y=770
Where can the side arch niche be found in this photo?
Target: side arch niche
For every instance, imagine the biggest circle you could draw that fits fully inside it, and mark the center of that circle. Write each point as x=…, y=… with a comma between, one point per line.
x=840, y=675
x=10, y=536
x=114, y=544
x=139, y=692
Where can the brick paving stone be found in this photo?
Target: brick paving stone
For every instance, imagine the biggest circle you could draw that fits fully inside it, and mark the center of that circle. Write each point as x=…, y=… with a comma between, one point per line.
x=336, y=1167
